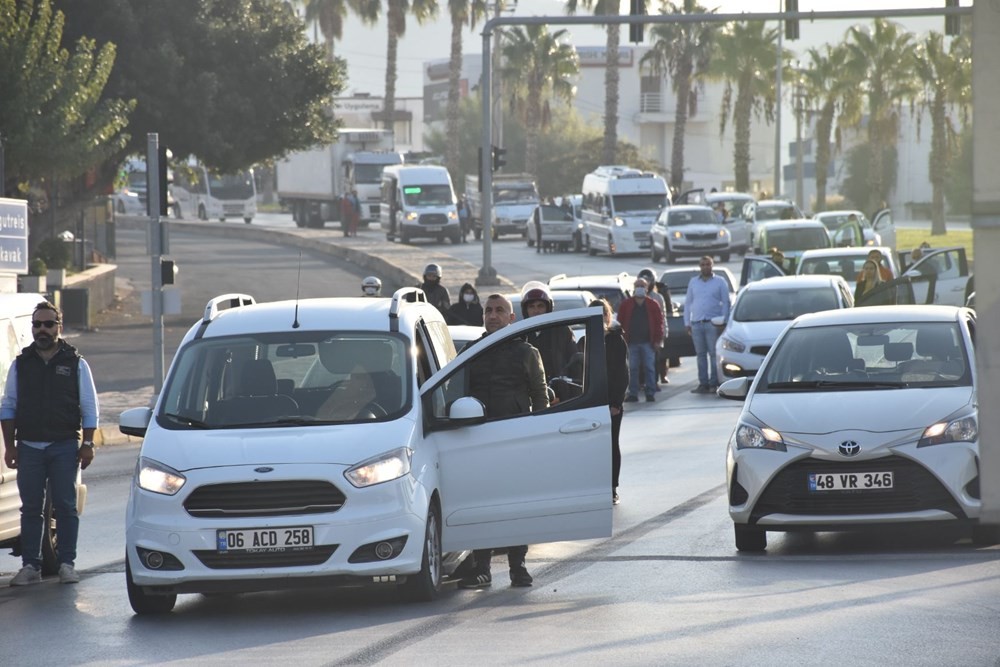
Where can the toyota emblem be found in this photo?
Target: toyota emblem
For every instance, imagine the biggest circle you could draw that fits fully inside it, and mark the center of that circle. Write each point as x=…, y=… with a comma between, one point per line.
x=849, y=448
x=267, y=469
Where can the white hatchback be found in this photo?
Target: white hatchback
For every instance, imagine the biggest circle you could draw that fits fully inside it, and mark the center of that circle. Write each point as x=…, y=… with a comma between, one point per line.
x=336, y=442
x=859, y=419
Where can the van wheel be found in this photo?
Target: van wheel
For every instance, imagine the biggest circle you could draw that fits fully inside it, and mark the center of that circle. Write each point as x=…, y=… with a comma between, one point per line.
x=478, y=233
x=577, y=242
x=591, y=250
x=425, y=586
x=750, y=538
x=404, y=236
x=653, y=255
x=143, y=602
x=248, y=220
x=202, y=214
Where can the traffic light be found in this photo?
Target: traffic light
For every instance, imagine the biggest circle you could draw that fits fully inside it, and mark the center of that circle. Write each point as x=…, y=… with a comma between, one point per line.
x=952, y=24
x=635, y=30
x=499, y=157
x=168, y=272
x=791, y=25
x=162, y=156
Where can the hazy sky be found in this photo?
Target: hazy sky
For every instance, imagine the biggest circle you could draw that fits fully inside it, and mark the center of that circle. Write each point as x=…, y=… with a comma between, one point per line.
x=364, y=47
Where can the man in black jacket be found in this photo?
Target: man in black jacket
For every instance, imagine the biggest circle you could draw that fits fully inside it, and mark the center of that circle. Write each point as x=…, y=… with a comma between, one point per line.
x=436, y=293
x=509, y=380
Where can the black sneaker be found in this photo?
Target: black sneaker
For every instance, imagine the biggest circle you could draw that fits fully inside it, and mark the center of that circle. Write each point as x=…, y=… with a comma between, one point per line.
x=701, y=389
x=631, y=399
x=519, y=577
x=650, y=398
x=481, y=580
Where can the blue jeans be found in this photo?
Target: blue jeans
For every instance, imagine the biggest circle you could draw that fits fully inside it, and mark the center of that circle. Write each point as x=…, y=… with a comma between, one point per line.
x=641, y=356
x=56, y=464
x=704, y=335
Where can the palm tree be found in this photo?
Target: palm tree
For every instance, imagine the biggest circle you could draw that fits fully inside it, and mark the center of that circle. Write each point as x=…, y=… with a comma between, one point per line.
x=682, y=51
x=396, y=12
x=881, y=59
x=611, y=74
x=744, y=58
x=462, y=12
x=946, y=76
x=827, y=89
x=540, y=67
x=329, y=15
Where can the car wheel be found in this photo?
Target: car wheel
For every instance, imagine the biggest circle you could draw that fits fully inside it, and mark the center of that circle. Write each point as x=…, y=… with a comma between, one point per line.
x=749, y=538
x=577, y=243
x=456, y=238
x=50, y=538
x=425, y=586
x=985, y=536
x=654, y=256
x=143, y=602
x=591, y=250
x=248, y=220
x=531, y=242
x=724, y=257
x=478, y=233
x=670, y=257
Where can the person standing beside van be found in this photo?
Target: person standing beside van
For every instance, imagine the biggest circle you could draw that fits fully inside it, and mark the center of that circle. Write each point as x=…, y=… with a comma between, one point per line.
x=49, y=397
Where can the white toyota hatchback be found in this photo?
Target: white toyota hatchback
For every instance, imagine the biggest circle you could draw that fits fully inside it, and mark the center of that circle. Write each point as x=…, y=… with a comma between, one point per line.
x=859, y=418
x=335, y=442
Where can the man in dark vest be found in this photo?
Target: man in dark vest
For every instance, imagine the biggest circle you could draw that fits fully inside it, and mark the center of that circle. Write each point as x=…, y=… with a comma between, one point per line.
x=49, y=396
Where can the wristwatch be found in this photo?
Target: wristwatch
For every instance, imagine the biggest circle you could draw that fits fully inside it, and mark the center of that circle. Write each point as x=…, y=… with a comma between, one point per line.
x=87, y=443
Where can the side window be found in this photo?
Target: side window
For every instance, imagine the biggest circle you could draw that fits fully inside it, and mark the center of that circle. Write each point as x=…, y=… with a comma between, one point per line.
x=443, y=346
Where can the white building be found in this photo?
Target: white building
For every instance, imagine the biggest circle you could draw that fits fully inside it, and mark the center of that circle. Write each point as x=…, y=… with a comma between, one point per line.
x=364, y=111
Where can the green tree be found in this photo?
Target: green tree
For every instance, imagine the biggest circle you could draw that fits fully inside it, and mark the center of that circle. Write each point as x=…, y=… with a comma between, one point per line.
x=682, y=52
x=859, y=183
x=958, y=183
x=54, y=123
x=744, y=59
x=233, y=82
x=946, y=78
x=542, y=67
x=462, y=12
x=611, y=73
x=827, y=88
x=880, y=58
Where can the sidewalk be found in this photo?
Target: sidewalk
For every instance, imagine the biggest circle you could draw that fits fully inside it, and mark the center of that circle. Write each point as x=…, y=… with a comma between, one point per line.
x=395, y=263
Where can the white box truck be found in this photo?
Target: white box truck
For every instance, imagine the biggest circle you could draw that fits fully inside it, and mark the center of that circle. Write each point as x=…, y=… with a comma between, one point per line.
x=515, y=198
x=311, y=183
x=419, y=201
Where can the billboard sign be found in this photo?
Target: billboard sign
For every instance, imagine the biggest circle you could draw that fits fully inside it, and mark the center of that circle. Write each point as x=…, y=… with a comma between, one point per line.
x=13, y=236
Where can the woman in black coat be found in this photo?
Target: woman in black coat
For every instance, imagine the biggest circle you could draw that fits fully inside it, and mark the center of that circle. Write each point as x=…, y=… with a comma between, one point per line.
x=616, y=352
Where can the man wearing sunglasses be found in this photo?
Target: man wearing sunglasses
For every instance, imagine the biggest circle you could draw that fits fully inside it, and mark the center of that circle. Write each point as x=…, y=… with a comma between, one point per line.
x=48, y=399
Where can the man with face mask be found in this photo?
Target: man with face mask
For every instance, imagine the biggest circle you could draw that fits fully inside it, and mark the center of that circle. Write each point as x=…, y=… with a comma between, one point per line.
x=437, y=295
x=467, y=310
x=642, y=323
x=48, y=399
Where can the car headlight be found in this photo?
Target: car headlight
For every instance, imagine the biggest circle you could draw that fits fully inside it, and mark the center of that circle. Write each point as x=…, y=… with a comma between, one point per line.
x=676, y=235
x=158, y=478
x=452, y=215
x=752, y=434
x=382, y=468
x=732, y=345
x=723, y=233
x=411, y=216
x=963, y=429
x=619, y=222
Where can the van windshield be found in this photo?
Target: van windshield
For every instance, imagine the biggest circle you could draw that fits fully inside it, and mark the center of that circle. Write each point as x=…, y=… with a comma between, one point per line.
x=639, y=203
x=231, y=186
x=368, y=173
x=427, y=195
x=288, y=378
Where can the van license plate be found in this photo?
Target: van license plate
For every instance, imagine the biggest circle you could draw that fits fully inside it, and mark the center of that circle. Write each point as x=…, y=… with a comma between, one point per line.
x=435, y=228
x=261, y=540
x=850, y=481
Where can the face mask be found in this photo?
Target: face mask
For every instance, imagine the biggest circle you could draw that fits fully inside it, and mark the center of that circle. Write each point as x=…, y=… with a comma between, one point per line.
x=371, y=291
x=468, y=298
x=432, y=280
x=640, y=292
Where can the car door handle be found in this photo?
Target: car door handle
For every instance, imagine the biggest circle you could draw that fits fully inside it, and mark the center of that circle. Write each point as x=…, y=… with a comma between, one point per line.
x=580, y=427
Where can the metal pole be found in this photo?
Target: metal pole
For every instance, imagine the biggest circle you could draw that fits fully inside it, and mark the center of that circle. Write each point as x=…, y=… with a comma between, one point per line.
x=799, y=194
x=777, y=102
x=487, y=274
x=155, y=249
x=497, y=89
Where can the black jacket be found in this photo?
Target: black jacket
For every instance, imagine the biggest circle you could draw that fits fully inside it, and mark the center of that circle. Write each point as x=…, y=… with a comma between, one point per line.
x=509, y=379
x=470, y=314
x=48, y=395
x=616, y=352
x=437, y=296
x=557, y=347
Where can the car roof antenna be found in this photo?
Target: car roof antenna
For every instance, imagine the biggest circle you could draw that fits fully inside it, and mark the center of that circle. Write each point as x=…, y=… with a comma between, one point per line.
x=298, y=282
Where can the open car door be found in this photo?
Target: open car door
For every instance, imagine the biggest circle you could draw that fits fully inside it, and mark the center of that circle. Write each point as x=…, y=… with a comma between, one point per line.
x=758, y=267
x=885, y=228
x=946, y=271
x=696, y=196
x=530, y=478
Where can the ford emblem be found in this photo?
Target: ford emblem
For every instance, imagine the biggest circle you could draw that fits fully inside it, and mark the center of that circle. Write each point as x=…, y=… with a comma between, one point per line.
x=849, y=448
x=267, y=469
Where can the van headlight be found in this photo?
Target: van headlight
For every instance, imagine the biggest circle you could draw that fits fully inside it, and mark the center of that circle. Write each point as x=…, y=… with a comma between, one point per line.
x=411, y=216
x=452, y=215
x=382, y=468
x=158, y=478
x=619, y=222
x=963, y=429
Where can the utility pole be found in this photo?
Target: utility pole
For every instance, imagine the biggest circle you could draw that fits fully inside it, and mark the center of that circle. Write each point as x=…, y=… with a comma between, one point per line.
x=799, y=110
x=156, y=252
x=777, y=116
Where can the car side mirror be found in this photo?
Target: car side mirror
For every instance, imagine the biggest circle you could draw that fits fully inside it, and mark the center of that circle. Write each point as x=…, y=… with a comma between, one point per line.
x=735, y=389
x=135, y=421
x=467, y=410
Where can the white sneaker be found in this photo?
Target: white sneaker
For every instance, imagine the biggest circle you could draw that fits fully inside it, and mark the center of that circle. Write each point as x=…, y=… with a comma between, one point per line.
x=68, y=575
x=26, y=576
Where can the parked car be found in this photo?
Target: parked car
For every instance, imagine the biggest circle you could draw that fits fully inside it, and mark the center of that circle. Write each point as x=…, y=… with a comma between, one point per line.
x=766, y=210
x=613, y=287
x=558, y=227
x=843, y=262
x=688, y=231
x=336, y=441
x=463, y=334
x=859, y=419
x=679, y=343
x=881, y=232
x=730, y=205
x=791, y=237
x=762, y=311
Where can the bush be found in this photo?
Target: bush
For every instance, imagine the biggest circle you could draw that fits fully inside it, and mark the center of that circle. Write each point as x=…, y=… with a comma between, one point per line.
x=54, y=253
x=37, y=267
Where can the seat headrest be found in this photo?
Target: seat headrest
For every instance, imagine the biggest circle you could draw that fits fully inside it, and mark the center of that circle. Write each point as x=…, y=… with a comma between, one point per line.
x=342, y=356
x=257, y=379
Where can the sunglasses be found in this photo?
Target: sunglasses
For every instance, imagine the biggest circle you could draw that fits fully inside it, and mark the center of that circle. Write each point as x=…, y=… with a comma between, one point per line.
x=48, y=324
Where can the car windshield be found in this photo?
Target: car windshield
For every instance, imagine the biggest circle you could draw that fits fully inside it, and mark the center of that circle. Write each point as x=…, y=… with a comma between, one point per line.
x=773, y=212
x=287, y=378
x=762, y=305
x=797, y=238
x=734, y=206
x=428, y=195
x=868, y=356
x=525, y=195
x=556, y=214
x=846, y=266
x=834, y=220
x=639, y=203
x=691, y=217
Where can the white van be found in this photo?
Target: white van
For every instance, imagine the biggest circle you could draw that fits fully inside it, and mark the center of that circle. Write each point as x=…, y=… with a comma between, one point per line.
x=15, y=334
x=619, y=207
x=418, y=200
